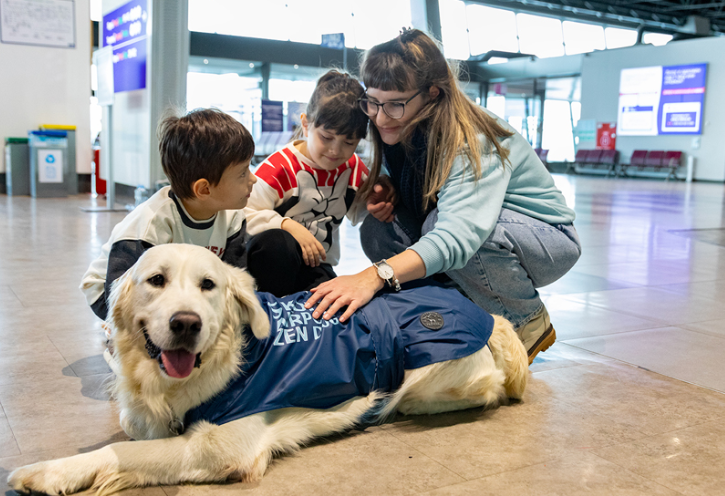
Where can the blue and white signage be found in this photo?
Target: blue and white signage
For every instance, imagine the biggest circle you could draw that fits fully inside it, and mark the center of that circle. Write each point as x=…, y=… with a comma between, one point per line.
x=272, y=116
x=661, y=100
x=335, y=40
x=125, y=29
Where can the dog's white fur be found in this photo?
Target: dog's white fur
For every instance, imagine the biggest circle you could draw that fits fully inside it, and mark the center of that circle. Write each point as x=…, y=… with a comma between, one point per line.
x=240, y=450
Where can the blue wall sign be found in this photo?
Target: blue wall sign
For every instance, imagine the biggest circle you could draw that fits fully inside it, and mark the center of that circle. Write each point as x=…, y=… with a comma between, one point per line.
x=336, y=40
x=681, y=102
x=272, y=116
x=125, y=29
x=661, y=100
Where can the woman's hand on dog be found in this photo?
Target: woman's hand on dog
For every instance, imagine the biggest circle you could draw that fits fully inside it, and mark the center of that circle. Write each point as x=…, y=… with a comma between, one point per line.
x=313, y=252
x=381, y=201
x=351, y=291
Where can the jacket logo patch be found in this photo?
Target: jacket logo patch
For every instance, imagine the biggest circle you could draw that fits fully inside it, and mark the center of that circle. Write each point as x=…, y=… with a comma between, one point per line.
x=432, y=320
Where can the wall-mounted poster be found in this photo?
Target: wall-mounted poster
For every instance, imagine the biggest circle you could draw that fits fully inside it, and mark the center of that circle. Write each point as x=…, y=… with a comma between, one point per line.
x=661, y=100
x=124, y=29
x=38, y=22
x=272, y=116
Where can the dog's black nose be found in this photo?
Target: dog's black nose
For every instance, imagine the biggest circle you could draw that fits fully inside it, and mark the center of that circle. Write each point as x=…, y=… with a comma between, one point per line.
x=185, y=323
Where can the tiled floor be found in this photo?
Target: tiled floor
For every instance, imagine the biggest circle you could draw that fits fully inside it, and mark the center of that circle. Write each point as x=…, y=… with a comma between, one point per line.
x=629, y=401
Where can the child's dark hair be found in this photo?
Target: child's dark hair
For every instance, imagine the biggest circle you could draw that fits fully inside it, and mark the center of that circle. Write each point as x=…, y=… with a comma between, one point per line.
x=334, y=105
x=201, y=145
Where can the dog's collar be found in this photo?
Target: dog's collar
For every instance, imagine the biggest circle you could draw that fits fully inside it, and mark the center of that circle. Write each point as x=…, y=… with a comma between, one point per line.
x=176, y=425
x=155, y=352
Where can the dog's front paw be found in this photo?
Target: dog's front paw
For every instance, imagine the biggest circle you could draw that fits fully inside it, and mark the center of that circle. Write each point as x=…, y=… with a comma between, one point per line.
x=32, y=478
x=47, y=477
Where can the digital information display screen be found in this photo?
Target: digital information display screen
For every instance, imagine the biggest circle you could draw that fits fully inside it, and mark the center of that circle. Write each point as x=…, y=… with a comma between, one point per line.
x=661, y=100
x=125, y=30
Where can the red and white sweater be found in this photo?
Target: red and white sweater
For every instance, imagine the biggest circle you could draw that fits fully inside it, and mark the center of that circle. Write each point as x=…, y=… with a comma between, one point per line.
x=292, y=187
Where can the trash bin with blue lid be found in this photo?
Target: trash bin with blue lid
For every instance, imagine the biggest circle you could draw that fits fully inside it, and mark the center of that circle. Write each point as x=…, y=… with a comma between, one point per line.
x=17, y=166
x=50, y=175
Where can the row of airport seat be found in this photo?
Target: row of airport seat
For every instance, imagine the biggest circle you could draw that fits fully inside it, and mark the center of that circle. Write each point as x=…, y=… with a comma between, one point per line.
x=641, y=160
x=270, y=142
x=594, y=159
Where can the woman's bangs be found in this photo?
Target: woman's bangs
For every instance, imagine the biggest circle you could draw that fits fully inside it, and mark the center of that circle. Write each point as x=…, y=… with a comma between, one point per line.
x=387, y=72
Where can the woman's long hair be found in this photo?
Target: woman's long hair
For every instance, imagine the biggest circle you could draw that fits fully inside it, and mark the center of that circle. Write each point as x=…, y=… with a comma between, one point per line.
x=451, y=121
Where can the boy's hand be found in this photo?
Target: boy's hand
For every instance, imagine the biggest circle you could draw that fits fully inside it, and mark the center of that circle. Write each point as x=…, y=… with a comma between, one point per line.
x=312, y=250
x=381, y=201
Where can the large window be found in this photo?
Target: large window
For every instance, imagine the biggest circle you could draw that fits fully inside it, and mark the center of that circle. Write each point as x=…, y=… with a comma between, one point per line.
x=657, y=39
x=618, y=38
x=540, y=36
x=470, y=29
x=364, y=24
x=583, y=38
x=234, y=94
x=491, y=29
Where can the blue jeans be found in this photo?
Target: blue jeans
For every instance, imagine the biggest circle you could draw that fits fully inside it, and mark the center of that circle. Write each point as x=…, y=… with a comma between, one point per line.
x=520, y=255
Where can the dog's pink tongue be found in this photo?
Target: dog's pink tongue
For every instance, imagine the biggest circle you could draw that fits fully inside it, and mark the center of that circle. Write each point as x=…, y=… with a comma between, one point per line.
x=178, y=363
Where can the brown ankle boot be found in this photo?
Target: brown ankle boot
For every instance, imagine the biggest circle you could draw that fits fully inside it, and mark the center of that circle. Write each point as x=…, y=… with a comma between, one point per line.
x=538, y=334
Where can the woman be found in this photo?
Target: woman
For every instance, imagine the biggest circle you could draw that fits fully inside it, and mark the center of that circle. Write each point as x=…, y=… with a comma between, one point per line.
x=462, y=195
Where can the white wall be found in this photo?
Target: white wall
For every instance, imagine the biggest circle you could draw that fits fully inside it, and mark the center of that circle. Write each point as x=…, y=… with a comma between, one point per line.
x=600, y=98
x=42, y=85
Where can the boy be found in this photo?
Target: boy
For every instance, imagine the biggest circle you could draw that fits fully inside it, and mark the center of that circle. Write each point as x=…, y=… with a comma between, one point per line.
x=205, y=155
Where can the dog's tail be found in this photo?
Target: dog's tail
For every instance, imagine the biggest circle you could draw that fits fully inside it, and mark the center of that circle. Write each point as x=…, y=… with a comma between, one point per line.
x=510, y=356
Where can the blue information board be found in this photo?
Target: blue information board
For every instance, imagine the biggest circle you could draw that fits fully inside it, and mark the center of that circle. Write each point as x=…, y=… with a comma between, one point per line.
x=683, y=95
x=661, y=100
x=272, y=114
x=125, y=29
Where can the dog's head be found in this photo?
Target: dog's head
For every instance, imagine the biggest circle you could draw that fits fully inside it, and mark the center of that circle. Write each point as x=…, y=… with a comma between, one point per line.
x=177, y=300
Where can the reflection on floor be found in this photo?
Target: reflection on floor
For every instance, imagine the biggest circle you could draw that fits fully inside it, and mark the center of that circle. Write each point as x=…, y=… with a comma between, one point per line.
x=629, y=400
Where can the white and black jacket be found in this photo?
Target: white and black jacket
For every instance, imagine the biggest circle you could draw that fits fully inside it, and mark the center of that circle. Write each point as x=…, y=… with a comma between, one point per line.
x=160, y=220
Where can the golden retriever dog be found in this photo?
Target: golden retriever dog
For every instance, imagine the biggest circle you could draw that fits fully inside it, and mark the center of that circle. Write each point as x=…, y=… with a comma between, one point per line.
x=181, y=322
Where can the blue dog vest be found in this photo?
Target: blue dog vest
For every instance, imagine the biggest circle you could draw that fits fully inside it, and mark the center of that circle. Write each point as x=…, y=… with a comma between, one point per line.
x=318, y=364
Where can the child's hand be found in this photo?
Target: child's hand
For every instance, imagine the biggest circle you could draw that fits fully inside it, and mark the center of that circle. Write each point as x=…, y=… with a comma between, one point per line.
x=381, y=201
x=312, y=250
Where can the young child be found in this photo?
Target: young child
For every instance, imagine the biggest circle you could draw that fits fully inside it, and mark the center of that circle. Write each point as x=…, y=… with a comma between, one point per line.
x=205, y=155
x=306, y=189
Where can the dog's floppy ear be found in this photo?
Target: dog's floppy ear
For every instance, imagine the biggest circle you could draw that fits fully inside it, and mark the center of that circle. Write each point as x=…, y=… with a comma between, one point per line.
x=241, y=286
x=118, y=301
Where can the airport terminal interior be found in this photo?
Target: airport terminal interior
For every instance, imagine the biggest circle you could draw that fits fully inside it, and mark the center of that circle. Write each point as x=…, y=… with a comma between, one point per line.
x=623, y=103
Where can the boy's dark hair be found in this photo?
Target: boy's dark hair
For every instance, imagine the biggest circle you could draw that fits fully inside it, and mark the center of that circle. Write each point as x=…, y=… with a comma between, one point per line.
x=334, y=105
x=201, y=145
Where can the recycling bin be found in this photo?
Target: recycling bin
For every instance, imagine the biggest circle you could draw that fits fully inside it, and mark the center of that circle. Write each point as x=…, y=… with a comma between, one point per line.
x=17, y=166
x=50, y=170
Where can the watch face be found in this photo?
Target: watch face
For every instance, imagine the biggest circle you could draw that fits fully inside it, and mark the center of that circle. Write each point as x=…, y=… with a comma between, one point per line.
x=385, y=271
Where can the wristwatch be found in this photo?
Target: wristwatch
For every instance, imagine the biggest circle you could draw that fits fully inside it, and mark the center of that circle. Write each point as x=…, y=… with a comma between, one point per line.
x=387, y=274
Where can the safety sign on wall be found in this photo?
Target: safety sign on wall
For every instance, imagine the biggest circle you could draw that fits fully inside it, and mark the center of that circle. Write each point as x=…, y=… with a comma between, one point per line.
x=607, y=136
x=50, y=166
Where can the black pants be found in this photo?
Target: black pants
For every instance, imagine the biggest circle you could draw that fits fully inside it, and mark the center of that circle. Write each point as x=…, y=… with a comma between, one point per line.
x=274, y=259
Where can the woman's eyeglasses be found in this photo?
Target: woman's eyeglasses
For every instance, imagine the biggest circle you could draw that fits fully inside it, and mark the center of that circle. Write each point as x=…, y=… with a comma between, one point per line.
x=394, y=110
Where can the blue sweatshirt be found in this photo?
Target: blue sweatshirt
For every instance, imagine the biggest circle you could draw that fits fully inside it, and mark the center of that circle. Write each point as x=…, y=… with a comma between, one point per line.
x=468, y=209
